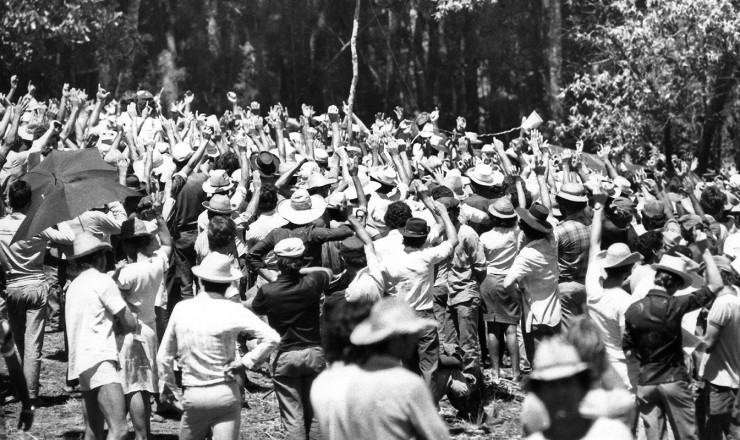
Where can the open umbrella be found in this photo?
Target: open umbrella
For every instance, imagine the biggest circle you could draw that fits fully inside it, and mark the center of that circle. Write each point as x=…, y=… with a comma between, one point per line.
x=66, y=184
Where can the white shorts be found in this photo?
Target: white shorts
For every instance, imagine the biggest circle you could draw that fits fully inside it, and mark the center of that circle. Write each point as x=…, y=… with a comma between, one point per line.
x=101, y=374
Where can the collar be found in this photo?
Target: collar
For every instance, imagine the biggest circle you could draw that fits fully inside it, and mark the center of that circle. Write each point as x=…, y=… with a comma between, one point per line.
x=658, y=291
x=381, y=362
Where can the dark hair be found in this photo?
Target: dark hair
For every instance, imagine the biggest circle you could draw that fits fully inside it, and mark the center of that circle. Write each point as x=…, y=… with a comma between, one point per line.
x=221, y=232
x=396, y=215
x=140, y=242
x=511, y=190
x=228, y=162
x=414, y=242
x=19, y=195
x=289, y=265
x=268, y=198
x=667, y=280
x=530, y=232
x=648, y=244
x=656, y=222
x=569, y=206
x=617, y=272
x=712, y=200
x=441, y=191
x=340, y=318
x=356, y=262
x=210, y=286
x=90, y=261
x=499, y=222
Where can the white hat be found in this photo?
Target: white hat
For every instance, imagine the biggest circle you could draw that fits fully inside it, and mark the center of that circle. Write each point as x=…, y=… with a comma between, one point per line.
x=320, y=155
x=677, y=266
x=181, y=152
x=368, y=187
x=556, y=359
x=385, y=175
x=218, y=181
x=216, y=267
x=86, y=243
x=302, y=208
x=290, y=247
x=618, y=255
x=732, y=246
x=483, y=174
x=573, y=191
x=389, y=317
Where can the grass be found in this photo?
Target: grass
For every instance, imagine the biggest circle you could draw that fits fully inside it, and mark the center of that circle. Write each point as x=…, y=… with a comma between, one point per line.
x=60, y=415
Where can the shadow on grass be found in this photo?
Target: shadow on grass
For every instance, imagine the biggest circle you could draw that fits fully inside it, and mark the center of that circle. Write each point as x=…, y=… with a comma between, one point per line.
x=78, y=434
x=49, y=401
x=59, y=355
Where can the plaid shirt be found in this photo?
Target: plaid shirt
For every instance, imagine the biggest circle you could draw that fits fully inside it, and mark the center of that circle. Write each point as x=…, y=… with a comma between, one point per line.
x=573, y=235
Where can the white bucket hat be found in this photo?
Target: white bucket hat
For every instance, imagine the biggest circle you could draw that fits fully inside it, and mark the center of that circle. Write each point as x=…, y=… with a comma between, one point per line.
x=86, y=243
x=556, y=359
x=216, y=267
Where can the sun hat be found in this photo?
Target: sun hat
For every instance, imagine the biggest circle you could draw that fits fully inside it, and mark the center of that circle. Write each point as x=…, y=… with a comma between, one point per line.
x=266, y=163
x=573, y=191
x=317, y=180
x=482, y=174
x=536, y=217
x=181, y=152
x=290, y=247
x=502, y=208
x=368, y=187
x=220, y=204
x=487, y=149
x=385, y=175
x=618, y=255
x=675, y=265
x=415, y=228
x=732, y=246
x=654, y=208
x=320, y=155
x=454, y=181
x=438, y=142
x=352, y=247
x=218, y=182
x=427, y=130
x=336, y=200
x=217, y=268
x=623, y=185
x=302, y=208
x=389, y=317
x=134, y=227
x=85, y=243
x=144, y=94
x=689, y=221
x=556, y=359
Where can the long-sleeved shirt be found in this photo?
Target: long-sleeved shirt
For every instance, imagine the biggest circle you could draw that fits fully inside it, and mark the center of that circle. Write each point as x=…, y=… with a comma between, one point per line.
x=23, y=261
x=311, y=235
x=467, y=265
x=202, y=334
x=653, y=332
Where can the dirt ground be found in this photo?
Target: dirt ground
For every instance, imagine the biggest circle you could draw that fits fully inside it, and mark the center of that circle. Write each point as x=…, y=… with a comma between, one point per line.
x=60, y=415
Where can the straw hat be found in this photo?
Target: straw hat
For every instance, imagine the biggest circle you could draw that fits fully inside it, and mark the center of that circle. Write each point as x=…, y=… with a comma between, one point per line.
x=502, y=208
x=623, y=186
x=389, y=317
x=556, y=359
x=290, y=247
x=302, y=208
x=368, y=187
x=427, y=130
x=483, y=174
x=220, y=204
x=575, y=192
x=618, y=255
x=677, y=266
x=181, y=152
x=216, y=268
x=218, y=182
x=317, y=180
x=385, y=175
x=86, y=243
x=536, y=217
x=134, y=227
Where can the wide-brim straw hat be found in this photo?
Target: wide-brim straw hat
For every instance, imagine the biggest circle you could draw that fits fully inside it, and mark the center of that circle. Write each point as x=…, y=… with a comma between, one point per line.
x=218, y=181
x=389, y=317
x=86, y=243
x=677, y=266
x=368, y=187
x=575, y=192
x=302, y=208
x=216, y=267
x=556, y=359
x=385, y=175
x=219, y=204
x=618, y=255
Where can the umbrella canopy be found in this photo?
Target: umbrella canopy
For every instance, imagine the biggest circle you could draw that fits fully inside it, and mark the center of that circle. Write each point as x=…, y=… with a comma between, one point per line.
x=66, y=184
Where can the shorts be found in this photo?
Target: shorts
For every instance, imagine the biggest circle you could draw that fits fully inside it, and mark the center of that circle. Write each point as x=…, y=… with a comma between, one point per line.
x=104, y=373
x=721, y=400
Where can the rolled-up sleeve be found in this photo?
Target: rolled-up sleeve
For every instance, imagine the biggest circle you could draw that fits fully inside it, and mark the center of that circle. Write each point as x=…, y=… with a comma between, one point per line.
x=267, y=339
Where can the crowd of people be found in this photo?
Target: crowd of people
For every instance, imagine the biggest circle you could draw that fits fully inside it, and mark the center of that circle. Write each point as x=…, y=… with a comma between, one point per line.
x=370, y=273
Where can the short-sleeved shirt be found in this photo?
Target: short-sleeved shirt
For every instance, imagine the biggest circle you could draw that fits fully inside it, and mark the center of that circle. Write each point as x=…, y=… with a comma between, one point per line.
x=573, y=235
x=722, y=366
x=92, y=300
x=140, y=282
x=500, y=246
x=292, y=306
x=535, y=268
x=410, y=274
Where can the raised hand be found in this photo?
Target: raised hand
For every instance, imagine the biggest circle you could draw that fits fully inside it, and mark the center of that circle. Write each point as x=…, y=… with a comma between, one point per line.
x=65, y=90
x=188, y=98
x=540, y=165
x=14, y=81
x=434, y=116
x=31, y=88
x=307, y=110
x=254, y=107
x=333, y=113
x=604, y=151
x=461, y=124
x=231, y=96
x=399, y=112
x=102, y=95
x=82, y=96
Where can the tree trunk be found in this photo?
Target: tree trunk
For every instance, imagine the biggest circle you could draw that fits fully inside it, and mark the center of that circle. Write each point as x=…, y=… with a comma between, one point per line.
x=355, y=71
x=726, y=78
x=551, y=10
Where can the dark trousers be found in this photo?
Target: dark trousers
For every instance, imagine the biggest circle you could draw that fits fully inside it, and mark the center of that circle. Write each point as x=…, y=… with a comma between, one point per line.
x=425, y=361
x=722, y=412
x=572, y=301
x=293, y=374
x=185, y=259
x=537, y=334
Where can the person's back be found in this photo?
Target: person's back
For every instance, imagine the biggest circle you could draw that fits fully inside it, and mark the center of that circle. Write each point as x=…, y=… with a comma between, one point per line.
x=376, y=400
x=188, y=201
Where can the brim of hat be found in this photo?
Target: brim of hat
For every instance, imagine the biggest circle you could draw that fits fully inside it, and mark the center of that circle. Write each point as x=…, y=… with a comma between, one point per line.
x=200, y=273
x=533, y=222
x=102, y=246
x=364, y=334
x=253, y=162
x=476, y=180
x=425, y=134
x=207, y=205
x=688, y=279
x=571, y=197
x=321, y=184
x=497, y=214
x=628, y=260
x=318, y=206
x=415, y=234
x=380, y=179
x=558, y=372
x=370, y=187
x=220, y=189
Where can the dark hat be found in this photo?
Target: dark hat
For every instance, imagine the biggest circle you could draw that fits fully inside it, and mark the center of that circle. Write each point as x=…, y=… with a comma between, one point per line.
x=352, y=247
x=415, y=228
x=133, y=182
x=536, y=217
x=266, y=163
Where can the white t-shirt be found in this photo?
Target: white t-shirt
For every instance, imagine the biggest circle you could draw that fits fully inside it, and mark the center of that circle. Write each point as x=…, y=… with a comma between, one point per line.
x=606, y=309
x=92, y=300
x=141, y=283
x=722, y=366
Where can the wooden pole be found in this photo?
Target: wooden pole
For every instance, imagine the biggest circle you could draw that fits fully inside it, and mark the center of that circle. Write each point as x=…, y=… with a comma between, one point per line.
x=355, y=72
